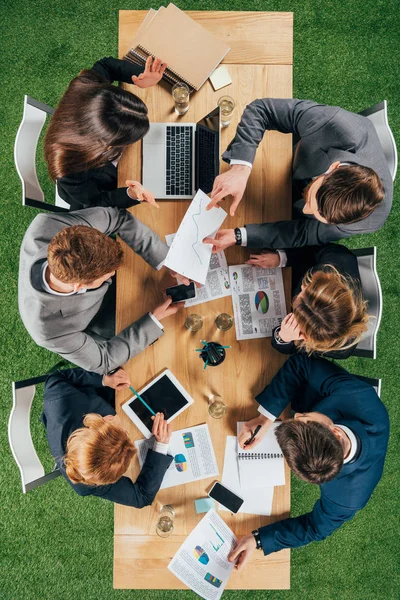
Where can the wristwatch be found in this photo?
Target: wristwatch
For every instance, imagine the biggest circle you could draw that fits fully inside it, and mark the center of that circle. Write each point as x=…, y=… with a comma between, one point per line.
x=238, y=236
x=256, y=535
x=277, y=337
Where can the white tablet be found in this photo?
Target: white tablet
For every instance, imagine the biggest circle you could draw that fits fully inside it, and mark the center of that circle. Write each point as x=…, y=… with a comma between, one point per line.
x=164, y=394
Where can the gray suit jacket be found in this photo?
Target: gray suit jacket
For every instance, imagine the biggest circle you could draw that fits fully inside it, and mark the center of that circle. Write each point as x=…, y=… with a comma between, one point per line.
x=67, y=324
x=327, y=134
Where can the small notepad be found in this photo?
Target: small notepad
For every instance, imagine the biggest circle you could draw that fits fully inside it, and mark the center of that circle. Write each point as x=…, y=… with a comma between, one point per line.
x=220, y=78
x=264, y=466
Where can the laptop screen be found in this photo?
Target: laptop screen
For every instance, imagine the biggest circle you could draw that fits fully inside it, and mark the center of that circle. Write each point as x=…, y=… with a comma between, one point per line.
x=207, y=150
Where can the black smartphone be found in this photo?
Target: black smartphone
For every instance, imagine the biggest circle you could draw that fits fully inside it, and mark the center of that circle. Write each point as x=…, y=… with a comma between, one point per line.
x=180, y=293
x=224, y=496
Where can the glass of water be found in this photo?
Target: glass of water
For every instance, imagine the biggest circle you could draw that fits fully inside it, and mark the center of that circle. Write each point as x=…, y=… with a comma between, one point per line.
x=216, y=407
x=227, y=106
x=224, y=321
x=165, y=523
x=180, y=94
x=193, y=322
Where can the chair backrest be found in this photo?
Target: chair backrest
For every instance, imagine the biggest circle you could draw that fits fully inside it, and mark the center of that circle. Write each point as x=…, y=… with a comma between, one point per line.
x=26, y=141
x=20, y=438
x=372, y=292
x=378, y=115
x=376, y=383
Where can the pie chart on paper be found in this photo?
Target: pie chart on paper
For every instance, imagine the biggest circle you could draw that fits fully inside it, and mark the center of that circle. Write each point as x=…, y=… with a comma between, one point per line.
x=262, y=303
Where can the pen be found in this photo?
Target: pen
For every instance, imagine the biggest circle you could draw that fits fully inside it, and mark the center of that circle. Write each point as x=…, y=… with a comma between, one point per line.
x=253, y=435
x=141, y=400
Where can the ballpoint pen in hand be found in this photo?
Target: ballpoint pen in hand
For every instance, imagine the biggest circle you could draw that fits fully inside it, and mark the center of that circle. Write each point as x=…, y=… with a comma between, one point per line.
x=253, y=435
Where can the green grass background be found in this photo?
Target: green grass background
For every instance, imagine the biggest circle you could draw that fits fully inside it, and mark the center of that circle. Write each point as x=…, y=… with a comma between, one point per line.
x=55, y=545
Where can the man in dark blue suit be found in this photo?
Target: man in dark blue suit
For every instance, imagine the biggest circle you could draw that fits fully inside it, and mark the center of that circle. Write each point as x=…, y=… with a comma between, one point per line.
x=337, y=439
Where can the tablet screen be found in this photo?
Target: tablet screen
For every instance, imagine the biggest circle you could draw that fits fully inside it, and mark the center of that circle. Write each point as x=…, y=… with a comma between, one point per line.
x=163, y=397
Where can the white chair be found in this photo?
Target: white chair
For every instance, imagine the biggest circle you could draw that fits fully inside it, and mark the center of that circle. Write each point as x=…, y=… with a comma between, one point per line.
x=378, y=115
x=376, y=383
x=20, y=439
x=33, y=119
x=372, y=292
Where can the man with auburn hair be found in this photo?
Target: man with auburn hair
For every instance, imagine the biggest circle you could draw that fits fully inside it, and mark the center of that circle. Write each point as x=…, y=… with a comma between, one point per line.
x=341, y=181
x=65, y=292
x=337, y=439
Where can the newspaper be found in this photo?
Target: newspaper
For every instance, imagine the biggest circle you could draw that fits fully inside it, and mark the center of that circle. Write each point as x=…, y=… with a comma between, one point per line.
x=258, y=300
x=193, y=454
x=201, y=562
x=217, y=283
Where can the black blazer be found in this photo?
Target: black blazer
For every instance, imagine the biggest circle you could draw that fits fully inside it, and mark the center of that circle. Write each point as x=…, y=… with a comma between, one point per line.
x=316, y=258
x=99, y=187
x=70, y=395
x=314, y=384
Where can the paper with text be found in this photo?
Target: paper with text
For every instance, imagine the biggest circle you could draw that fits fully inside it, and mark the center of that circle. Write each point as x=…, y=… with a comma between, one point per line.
x=188, y=255
x=201, y=562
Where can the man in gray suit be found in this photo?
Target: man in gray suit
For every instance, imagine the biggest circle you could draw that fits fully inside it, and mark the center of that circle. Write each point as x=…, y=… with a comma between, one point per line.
x=65, y=286
x=341, y=181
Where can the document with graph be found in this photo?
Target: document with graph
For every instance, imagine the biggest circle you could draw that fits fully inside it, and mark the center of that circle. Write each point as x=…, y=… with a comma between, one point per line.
x=188, y=255
x=217, y=282
x=258, y=300
x=193, y=453
x=201, y=562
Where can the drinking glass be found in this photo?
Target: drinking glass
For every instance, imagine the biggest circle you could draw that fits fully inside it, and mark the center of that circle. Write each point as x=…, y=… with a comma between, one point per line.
x=165, y=523
x=180, y=94
x=216, y=407
x=227, y=105
x=193, y=322
x=224, y=321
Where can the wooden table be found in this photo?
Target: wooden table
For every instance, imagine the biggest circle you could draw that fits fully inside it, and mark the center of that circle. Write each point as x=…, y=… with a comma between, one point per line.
x=260, y=65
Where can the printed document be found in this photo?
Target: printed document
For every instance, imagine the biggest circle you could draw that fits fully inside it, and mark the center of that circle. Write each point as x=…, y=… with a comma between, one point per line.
x=258, y=300
x=188, y=255
x=259, y=503
x=193, y=453
x=217, y=283
x=201, y=562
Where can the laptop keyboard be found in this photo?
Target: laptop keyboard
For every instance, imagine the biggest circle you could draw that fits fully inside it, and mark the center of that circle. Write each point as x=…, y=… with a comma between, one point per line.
x=179, y=161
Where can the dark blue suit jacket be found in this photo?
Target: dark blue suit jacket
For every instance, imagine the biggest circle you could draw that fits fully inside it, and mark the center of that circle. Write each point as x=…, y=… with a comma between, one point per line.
x=70, y=395
x=315, y=384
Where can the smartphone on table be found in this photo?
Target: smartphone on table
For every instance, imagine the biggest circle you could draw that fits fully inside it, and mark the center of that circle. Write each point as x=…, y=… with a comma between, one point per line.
x=225, y=497
x=180, y=293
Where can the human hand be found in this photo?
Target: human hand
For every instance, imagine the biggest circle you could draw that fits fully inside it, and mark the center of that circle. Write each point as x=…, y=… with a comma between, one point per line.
x=265, y=260
x=290, y=330
x=161, y=429
x=243, y=551
x=223, y=239
x=231, y=183
x=248, y=429
x=166, y=309
x=137, y=192
x=118, y=380
x=180, y=278
x=153, y=72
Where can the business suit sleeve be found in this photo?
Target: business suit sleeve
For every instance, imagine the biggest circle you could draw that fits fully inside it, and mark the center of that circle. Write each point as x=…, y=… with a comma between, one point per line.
x=287, y=115
x=114, y=69
x=293, y=234
x=88, y=193
x=322, y=521
x=143, y=491
x=140, y=238
x=62, y=380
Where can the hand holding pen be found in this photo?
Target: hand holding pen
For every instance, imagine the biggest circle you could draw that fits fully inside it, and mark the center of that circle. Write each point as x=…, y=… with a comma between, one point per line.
x=253, y=432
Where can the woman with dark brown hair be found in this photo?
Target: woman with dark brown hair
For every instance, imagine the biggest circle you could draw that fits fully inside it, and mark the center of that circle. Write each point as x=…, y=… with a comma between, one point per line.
x=93, y=123
x=329, y=313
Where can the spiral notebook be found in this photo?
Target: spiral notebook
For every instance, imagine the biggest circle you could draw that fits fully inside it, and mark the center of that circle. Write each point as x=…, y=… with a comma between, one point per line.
x=265, y=465
x=192, y=52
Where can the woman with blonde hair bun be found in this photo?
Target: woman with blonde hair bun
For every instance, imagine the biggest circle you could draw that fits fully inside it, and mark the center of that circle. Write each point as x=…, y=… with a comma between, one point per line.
x=329, y=314
x=91, y=448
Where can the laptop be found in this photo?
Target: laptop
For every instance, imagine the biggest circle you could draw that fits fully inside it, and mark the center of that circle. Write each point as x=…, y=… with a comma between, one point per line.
x=179, y=159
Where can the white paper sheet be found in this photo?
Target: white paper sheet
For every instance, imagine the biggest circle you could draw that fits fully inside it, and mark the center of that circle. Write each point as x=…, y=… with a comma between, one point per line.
x=188, y=255
x=201, y=562
x=217, y=283
x=193, y=454
x=258, y=300
x=262, y=466
x=259, y=503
